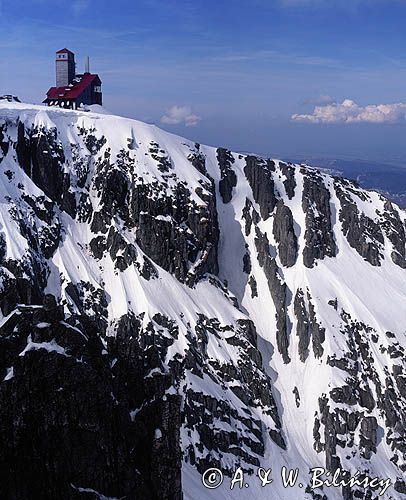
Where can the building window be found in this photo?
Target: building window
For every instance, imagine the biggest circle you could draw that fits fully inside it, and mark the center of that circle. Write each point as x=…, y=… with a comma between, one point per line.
x=97, y=88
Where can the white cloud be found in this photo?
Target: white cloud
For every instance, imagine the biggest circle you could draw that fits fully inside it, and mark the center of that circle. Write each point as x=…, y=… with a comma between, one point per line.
x=350, y=112
x=180, y=114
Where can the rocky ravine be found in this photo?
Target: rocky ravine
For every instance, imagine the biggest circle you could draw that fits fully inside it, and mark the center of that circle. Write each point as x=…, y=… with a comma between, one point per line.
x=169, y=307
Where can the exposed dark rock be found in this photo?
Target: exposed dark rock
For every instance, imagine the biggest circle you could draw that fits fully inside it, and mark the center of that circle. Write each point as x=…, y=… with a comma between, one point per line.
x=198, y=160
x=395, y=231
x=122, y=252
x=100, y=222
x=113, y=186
x=318, y=445
x=253, y=285
x=80, y=164
x=250, y=215
x=4, y=144
x=148, y=270
x=341, y=425
x=333, y=303
x=290, y=182
x=59, y=403
x=318, y=332
x=363, y=234
x=259, y=175
x=246, y=263
x=400, y=486
x=17, y=290
x=368, y=436
x=277, y=438
x=319, y=235
x=228, y=177
x=42, y=157
x=166, y=242
x=278, y=291
x=161, y=157
x=284, y=234
x=98, y=246
x=303, y=325
x=155, y=415
x=297, y=396
x=345, y=364
x=366, y=398
x=344, y=394
x=244, y=374
x=89, y=301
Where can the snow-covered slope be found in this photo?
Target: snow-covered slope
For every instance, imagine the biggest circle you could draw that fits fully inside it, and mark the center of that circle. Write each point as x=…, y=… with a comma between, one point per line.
x=248, y=312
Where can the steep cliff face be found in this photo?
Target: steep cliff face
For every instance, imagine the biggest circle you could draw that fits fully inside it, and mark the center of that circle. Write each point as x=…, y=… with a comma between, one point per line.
x=169, y=307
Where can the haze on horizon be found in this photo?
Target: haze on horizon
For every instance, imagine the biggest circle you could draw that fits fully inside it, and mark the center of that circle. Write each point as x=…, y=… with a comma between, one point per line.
x=283, y=77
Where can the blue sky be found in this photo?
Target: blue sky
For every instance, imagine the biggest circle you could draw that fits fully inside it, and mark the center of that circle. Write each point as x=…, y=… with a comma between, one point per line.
x=229, y=72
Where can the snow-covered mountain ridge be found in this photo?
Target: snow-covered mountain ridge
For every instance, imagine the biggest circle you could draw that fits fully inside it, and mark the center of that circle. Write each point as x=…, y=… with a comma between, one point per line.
x=201, y=308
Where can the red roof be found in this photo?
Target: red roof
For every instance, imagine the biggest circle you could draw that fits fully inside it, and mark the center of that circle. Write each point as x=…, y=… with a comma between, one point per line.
x=73, y=91
x=63, y=51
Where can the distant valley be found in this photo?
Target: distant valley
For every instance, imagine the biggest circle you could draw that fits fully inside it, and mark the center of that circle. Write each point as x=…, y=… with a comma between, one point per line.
x=388, y=179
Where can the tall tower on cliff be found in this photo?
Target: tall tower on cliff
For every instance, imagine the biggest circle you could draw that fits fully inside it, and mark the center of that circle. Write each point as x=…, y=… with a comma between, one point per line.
x=65, y=67
x=73, y=90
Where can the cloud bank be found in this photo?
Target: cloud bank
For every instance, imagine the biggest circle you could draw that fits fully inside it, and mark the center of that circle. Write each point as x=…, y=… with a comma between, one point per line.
x=180, y=114
x=350, y=112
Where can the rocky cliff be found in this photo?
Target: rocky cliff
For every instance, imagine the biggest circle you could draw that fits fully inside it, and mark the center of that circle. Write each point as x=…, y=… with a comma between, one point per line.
x=170, y=307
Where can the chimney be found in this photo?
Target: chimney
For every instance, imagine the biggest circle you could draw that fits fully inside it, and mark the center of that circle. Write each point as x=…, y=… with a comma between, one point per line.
x=87, y=65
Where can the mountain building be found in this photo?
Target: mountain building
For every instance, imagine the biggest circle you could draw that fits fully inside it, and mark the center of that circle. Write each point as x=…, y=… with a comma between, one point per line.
x=73, y=90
